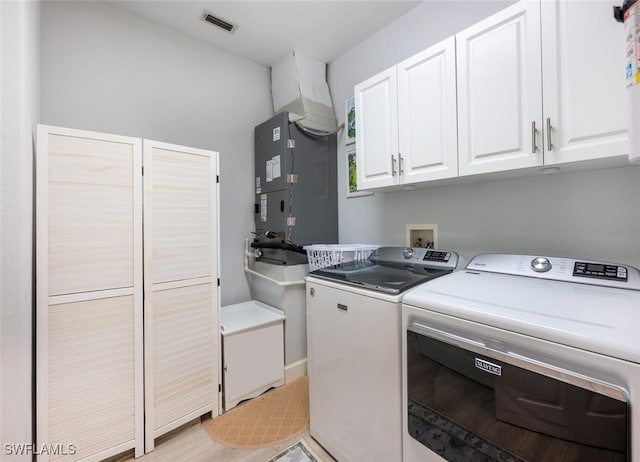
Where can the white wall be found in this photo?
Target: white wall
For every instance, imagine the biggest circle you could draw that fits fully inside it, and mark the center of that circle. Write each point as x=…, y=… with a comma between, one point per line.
x=108, y=70
x=588, y=214
x=568, y=214
x=19, y=103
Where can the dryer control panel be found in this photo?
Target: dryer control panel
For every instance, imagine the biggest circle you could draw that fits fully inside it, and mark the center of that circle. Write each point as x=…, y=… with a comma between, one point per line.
x=600, y=271
x=559, y=269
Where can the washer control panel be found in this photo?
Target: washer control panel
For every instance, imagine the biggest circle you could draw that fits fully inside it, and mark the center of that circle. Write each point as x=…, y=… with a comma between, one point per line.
x=437, y=255
x=559, y=269
x=417, y=256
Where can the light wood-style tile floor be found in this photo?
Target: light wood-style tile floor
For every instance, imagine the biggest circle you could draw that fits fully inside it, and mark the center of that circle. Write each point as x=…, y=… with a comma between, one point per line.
x=192, y=444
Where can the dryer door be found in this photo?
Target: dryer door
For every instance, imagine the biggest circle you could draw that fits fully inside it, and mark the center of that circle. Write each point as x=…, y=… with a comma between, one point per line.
x=468, y=402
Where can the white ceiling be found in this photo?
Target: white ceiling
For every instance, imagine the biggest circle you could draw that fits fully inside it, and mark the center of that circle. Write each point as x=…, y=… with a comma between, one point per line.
x=266, y=30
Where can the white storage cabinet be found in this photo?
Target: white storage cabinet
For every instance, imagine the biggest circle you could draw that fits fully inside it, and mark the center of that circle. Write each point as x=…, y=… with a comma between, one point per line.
x=584, y=84
x=406, y=121
x=533, y=85
x=537, y=86
x=89, y=353
x=93, y=388
x=499, y=91
x=181, y=302
x=253, y=350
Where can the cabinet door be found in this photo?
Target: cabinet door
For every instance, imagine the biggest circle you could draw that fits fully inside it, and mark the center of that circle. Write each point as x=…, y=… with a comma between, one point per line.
x=500, y=91
x=181, y=302
x=89, y=384
x=377, y=131
x=249, y=371
x=427, y=114
x=584, y=81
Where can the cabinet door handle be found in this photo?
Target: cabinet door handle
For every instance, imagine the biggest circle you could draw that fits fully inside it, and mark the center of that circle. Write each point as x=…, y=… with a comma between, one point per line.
x=549, y=145
x=534, y=148
x=342, y=307
x=401, y=164
x=393, y=165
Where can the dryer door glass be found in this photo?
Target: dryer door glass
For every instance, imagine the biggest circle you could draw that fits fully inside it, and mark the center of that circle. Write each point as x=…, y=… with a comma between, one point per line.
x=467, y=406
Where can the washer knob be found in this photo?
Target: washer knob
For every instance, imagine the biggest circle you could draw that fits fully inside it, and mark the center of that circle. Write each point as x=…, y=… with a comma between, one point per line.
x=540, y=264
x=407, y=253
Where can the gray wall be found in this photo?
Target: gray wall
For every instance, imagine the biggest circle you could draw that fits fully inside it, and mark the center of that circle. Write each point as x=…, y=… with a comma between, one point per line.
x=569, y=214
x=108, y=70
x=20, y=105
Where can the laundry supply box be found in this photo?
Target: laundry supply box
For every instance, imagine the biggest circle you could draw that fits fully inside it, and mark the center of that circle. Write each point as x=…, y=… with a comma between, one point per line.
x=252, y=350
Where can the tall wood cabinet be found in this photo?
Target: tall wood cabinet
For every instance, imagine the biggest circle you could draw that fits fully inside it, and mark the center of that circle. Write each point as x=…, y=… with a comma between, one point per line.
x=89, y=293
x=91, y=358
x=180, y=286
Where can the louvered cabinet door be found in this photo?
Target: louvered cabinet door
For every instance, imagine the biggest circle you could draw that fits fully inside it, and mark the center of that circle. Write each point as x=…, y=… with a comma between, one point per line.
x=181, y=286
x=89, y=295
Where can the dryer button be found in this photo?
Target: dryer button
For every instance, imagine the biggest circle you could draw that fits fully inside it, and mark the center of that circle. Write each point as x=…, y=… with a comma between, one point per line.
x=540, y=264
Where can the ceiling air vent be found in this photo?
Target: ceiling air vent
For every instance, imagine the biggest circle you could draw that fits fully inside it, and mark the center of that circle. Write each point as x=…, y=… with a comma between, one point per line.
x=221, y=23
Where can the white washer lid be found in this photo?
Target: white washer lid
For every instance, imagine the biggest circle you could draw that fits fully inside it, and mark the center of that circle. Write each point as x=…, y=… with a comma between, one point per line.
x=599, y=319
x=248, y=315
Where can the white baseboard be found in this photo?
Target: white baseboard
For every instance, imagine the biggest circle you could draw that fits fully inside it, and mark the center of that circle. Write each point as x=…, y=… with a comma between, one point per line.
x=295, y=371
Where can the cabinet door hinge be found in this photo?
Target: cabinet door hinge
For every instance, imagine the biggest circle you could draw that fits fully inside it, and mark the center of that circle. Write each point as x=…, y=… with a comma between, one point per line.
x=219, y=387
x=142, y=170
x=218, y=282
x=217, y=178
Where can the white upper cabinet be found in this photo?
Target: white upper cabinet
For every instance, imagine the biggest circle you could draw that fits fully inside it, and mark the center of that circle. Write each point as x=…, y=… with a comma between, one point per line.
x=499, y=92
x=428, y=137
x=583, y=81
x=377, y=130
x=539, y=83
x=406, y=121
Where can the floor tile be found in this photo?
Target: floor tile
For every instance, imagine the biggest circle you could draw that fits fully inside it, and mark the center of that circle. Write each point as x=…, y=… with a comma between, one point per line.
x=192, y=444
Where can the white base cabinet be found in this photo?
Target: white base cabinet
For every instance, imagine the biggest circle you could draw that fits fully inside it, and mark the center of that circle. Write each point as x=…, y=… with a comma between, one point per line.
x=91, y=297
x=253, y=350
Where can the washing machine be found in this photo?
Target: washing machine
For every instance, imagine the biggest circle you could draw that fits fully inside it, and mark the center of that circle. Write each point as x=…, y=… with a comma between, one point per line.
x=354, y=349
x=523, y=358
